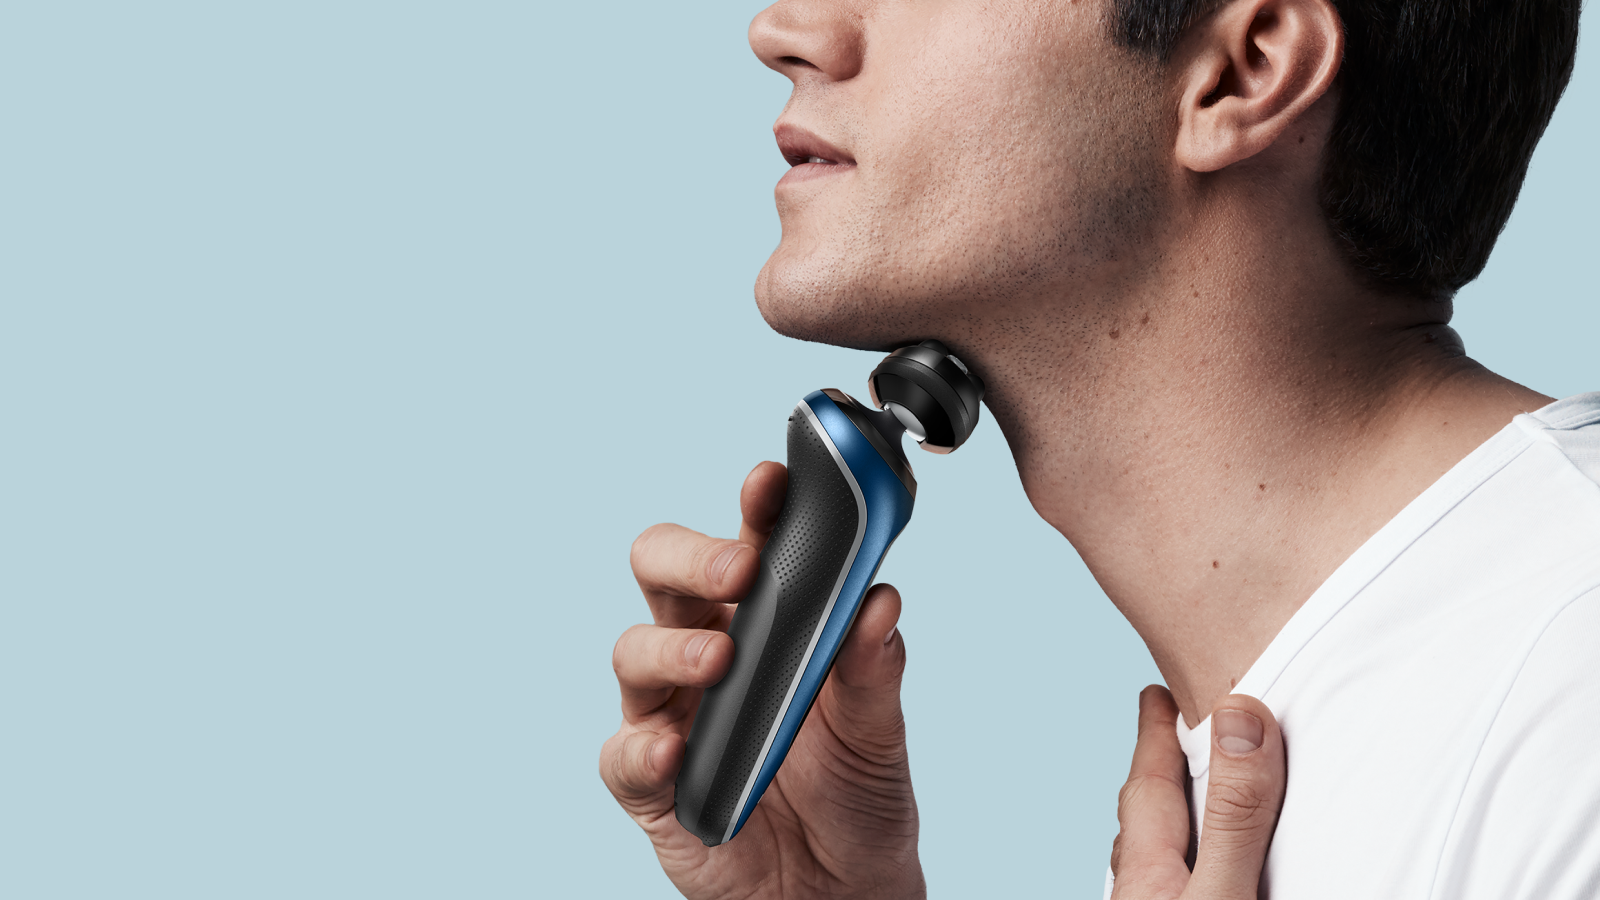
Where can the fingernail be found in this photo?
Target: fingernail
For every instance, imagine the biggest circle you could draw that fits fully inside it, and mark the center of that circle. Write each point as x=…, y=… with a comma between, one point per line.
x=654, y=755
x=1236, y=732
x=889, y=638
x=695, y=647
x=719, y=566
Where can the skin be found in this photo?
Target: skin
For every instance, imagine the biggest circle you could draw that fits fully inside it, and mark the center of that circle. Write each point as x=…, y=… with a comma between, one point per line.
x=1201, y=395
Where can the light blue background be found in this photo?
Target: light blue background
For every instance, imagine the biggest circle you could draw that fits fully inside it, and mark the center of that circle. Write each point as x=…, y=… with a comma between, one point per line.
x=344, y=347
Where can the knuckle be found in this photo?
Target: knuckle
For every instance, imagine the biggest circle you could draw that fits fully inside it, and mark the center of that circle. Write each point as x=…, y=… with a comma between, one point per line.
x=669, y=651
x=610, y=755
x=625, y=770
x=1234, y=800
x=724, y=569
x=618, y=780
x=1128, y=795
x=698, y=563
x=1137, y=789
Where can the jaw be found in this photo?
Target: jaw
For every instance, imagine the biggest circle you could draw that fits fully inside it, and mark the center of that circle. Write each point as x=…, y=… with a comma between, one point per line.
x=995, y=275
x=973, y=248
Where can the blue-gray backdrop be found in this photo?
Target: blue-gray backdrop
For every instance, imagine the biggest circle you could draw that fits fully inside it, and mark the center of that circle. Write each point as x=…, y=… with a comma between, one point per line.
x=345, y=346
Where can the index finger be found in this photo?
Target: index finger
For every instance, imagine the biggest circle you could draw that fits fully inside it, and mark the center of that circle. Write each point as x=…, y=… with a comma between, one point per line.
x=683, y=573
x=1153, y=808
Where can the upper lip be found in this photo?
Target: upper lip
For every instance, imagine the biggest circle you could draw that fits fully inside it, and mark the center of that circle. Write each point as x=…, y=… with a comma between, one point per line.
x=801, y=146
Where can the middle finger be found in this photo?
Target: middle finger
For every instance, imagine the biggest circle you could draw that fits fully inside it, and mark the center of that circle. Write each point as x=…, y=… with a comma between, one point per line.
x=652, y=662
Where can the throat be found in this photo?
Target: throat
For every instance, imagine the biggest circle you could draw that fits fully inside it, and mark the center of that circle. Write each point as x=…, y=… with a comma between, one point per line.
x=1209, y=546
x=1212, y=483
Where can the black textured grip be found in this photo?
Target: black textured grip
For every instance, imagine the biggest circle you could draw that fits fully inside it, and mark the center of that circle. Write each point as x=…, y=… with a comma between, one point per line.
x=802, y=561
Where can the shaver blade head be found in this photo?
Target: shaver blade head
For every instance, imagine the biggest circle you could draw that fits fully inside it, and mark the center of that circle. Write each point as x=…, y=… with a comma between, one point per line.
x=932, y=393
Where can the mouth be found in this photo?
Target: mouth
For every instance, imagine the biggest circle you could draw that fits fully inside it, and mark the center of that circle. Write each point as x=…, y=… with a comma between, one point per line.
x=809, y=156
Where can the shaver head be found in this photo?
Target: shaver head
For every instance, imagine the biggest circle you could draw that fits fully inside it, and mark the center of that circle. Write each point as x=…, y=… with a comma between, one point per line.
x=930, y=392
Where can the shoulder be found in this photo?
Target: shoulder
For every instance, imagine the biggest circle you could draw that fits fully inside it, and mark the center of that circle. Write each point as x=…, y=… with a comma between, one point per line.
x=1535, y=512
x=1528, y=824
x=1572, y=428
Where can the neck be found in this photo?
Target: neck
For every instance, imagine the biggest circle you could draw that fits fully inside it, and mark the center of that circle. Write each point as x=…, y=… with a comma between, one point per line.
x=1217, y=440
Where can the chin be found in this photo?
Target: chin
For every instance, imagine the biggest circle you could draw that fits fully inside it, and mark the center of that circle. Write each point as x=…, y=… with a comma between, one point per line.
x=828, y=303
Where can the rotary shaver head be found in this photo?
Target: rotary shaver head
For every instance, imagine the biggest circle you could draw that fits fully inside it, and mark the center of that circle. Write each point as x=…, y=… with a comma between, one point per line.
x=930, y=392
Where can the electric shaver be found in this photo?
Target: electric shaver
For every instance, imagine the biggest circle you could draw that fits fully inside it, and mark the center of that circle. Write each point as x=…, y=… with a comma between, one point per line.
x=850, y=494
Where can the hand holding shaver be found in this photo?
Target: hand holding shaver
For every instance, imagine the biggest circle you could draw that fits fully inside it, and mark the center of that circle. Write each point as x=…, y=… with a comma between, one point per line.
x=850, y=494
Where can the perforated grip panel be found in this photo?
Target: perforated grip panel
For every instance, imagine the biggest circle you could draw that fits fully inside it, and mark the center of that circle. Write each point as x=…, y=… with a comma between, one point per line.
x=809, y=549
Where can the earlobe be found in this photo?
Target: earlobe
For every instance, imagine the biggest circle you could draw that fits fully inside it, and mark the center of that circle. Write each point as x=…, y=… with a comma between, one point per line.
x=1247, y=72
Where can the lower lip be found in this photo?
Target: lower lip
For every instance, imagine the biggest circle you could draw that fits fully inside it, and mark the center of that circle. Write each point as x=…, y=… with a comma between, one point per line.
x=813, y=171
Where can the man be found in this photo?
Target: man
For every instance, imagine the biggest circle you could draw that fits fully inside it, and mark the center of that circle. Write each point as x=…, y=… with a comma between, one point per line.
x=1202, y=254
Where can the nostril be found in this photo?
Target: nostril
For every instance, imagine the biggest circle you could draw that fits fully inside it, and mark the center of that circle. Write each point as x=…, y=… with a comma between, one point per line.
x=806, y=39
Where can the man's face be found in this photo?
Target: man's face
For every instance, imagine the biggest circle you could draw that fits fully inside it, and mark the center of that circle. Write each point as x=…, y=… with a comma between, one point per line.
x=977, y=158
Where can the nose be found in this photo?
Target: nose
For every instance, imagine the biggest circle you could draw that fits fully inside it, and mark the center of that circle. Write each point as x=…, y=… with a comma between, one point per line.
x=810, y=38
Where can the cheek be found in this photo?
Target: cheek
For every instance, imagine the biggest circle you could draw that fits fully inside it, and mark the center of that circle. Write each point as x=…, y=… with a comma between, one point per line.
x=977, y=170
x=994, y=128
x=995, y=161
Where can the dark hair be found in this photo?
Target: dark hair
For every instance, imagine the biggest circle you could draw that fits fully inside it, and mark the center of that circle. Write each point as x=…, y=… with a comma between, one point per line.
x=1441, y=103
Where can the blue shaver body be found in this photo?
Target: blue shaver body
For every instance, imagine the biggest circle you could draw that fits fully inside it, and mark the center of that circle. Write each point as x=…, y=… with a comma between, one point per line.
x=850, y=495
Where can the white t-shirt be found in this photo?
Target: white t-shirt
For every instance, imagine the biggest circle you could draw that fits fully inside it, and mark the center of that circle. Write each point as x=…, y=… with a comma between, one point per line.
x=1440, y=694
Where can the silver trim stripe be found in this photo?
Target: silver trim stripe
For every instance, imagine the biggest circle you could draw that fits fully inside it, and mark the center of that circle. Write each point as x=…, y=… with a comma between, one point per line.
x=827, y=612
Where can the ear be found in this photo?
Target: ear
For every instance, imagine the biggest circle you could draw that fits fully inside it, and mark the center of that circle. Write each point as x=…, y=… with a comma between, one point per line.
x=1247, y=72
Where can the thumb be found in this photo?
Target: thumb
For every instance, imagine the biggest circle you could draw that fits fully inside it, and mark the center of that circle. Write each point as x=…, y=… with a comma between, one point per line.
x=1244, y=793
x=863, y=693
